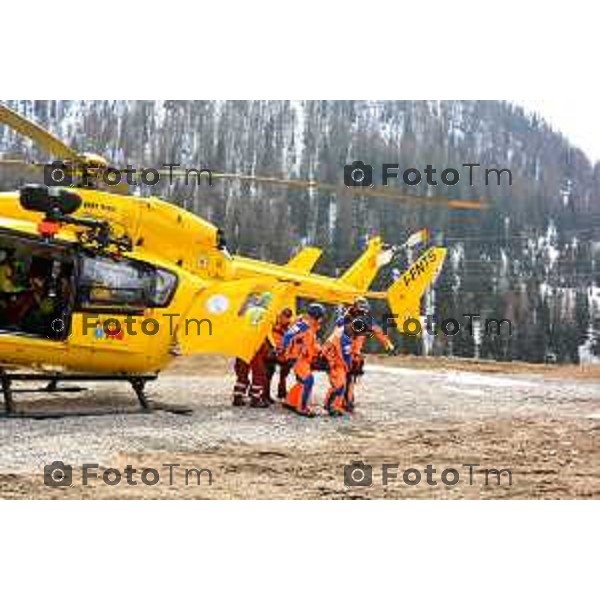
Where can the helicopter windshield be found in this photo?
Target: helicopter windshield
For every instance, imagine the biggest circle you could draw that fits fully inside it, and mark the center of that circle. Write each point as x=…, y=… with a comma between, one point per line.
x=123, y=284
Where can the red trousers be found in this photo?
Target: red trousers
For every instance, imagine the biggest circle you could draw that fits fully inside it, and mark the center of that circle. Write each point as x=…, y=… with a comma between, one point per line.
x=252, y=379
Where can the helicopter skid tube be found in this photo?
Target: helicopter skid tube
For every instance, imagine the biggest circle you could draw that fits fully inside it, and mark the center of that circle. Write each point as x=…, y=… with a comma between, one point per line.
x=138, y=383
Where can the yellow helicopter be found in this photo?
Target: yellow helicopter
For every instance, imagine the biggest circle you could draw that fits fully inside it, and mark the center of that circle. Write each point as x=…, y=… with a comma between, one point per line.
x=102, y=285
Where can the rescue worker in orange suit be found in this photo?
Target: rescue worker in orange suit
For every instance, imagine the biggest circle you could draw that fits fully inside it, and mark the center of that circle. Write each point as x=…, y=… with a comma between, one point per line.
x=358, y=316
x=252, y=379
x=277, y=355
x=301, y=347
x=337, y=351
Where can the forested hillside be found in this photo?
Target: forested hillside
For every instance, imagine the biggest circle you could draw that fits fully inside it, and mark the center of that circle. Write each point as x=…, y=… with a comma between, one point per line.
x=530, y=257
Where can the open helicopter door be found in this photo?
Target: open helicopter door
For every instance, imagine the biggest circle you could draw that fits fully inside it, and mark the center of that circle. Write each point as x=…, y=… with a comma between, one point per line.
x=232, y=318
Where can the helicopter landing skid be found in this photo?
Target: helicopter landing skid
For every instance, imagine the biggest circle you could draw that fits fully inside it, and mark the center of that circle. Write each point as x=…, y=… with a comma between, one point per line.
x=138, y=383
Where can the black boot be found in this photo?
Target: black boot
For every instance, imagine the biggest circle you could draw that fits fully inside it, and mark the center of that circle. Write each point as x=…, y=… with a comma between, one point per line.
x=239, y=394
x=257, y=399
x=259, y=403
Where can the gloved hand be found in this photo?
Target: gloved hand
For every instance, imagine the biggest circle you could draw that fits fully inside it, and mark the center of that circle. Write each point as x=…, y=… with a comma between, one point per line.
x=358, y=366
x=391, y=349
x=320, y=363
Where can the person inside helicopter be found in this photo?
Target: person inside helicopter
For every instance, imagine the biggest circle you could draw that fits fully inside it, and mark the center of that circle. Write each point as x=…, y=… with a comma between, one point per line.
x=9, y=284
x=7, y=271
x=30, y=310
x=32, y=305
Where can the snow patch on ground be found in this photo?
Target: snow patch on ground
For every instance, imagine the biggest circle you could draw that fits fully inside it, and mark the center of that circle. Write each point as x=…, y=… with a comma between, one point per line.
x=458, y=378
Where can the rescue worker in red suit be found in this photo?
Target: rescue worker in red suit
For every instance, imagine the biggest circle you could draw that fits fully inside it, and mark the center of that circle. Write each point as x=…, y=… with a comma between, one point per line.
x=277, y=355
x=358, y=316
x=337, y=351
x=251, y=379
x=301, y=347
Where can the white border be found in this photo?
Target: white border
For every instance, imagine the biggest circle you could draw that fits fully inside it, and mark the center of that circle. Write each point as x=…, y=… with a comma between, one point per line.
x=299, y=50
x=299, y=549
x=312, y=49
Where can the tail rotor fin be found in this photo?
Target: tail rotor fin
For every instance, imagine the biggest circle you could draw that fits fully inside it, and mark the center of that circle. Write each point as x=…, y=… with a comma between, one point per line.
x=362, y=273
x=404, y=296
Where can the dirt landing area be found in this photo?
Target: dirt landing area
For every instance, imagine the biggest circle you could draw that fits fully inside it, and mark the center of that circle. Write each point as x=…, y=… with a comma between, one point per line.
x=547, y=459
x=531, y=435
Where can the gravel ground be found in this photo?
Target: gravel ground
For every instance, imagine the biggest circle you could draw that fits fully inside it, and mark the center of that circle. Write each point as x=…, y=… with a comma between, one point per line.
x=544, y=430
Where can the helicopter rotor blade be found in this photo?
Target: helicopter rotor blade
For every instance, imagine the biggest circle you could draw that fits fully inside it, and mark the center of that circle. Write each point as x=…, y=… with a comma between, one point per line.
x=373, y=192
x=121, y=188
x=15, y=162
x=39, y=135
x=60, y=150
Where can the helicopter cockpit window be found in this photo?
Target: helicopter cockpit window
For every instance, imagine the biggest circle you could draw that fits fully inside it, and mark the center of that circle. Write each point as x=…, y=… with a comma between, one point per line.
x=165, y=284
x=123, y=285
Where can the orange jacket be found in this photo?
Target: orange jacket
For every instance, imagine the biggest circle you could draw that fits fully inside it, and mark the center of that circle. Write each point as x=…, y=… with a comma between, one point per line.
x=338, y=349
x=359, y=341
x=277, y=334
x=300, y=341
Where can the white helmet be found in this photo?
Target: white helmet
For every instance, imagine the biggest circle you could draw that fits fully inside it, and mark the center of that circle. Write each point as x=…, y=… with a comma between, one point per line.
x=362, y=304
